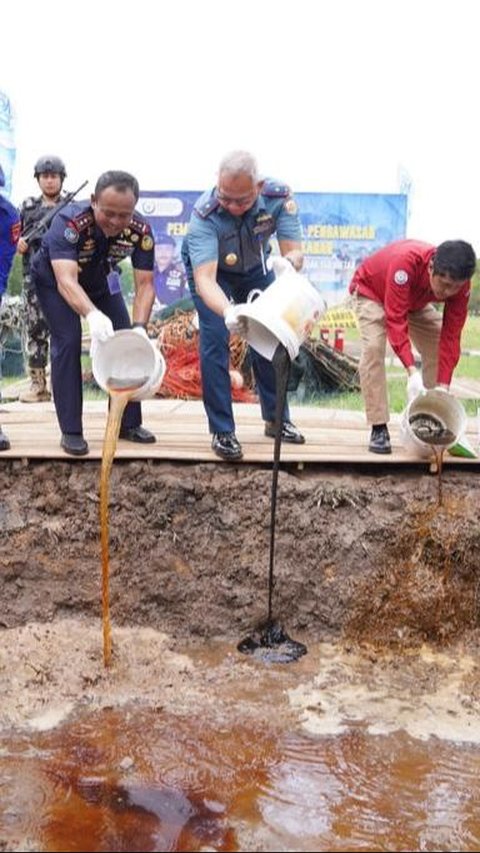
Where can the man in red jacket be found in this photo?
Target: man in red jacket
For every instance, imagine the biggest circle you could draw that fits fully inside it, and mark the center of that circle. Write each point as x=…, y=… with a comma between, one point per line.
x=394, y=291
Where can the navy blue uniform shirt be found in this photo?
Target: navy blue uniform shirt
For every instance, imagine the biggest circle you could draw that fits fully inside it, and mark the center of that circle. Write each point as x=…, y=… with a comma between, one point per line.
x=74, y=235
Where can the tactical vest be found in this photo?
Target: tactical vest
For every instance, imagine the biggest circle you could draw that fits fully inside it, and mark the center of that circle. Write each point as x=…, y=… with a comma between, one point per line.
x=31, y=212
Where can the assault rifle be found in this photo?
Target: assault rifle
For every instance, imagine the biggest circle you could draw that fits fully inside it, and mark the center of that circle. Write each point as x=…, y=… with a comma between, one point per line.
x=39, y=228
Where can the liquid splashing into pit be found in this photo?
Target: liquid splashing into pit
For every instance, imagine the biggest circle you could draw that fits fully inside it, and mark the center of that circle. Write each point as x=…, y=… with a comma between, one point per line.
x=433, y=432
x=120, y=391
x=269, y=641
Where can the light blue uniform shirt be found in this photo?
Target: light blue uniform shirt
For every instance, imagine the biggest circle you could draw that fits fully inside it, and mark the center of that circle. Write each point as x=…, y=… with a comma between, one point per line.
x=240, y=244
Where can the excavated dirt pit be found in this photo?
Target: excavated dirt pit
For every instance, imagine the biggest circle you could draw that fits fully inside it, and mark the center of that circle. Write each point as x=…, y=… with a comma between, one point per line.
x=184, y=743
x=363, y=559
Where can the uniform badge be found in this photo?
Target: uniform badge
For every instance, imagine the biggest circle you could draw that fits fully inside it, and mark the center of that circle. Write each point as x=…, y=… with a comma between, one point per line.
x=127, y=232
x=291, y=206
x=134, y=238
x=70, y=235
x=147, y=243
x=400, y=277
x=231, y=259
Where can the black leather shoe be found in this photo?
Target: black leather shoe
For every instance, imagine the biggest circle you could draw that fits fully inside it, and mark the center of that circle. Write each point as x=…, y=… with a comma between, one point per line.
x=226, y=445
x=380, y=439
x=4, y=442
x=138, y=433
x=290, y=433
x=74, y=444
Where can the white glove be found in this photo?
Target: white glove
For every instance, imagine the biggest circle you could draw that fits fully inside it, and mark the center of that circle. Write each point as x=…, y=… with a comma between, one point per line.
x=100, y=326
x=414, y=386
x=140, y=331
x=235, y=324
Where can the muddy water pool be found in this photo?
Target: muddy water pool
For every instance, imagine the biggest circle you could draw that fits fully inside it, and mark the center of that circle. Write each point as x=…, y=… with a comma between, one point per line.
x=343, y=750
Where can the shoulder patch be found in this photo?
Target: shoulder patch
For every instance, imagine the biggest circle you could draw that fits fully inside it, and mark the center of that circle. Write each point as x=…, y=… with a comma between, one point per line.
x=400, y=277
x=291, y=206
x=15, y=233
x=147, y=243
x=71, y=234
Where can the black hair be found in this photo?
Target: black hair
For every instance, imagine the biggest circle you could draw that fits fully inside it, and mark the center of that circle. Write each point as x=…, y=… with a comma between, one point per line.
x=120, y=181
x=456, y=259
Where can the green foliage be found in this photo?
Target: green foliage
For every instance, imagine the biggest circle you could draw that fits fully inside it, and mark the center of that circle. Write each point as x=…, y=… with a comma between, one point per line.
x=474, y=302
x=128, y=286
x=15, y=279
x=471, y=334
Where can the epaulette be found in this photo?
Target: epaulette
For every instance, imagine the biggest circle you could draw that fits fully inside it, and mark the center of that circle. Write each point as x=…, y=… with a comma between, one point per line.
x=138, y=225
x=207, y=207
x=274, y=189
x=83, y=220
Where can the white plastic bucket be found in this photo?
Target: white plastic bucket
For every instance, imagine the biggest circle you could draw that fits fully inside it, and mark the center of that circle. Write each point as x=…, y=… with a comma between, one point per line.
x=283, y=313
x=129, y=356
x=444, y=408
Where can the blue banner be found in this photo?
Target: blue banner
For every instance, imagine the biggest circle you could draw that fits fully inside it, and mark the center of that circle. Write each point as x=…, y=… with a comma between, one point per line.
x=7, y=142
x=168, y=214
x=339, y=230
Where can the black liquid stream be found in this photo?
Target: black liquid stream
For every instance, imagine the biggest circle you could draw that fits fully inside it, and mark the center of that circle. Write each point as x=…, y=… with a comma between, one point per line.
x=270, y=642
x=281, y=364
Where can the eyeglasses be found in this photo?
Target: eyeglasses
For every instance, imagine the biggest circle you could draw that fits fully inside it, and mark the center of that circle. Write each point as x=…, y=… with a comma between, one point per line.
x=241, y=201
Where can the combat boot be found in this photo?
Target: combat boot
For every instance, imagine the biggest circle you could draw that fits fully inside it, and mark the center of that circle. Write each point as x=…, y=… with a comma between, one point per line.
x=37, y=393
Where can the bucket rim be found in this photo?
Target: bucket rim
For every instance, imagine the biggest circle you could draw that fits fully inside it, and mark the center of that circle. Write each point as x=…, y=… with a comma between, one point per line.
x=435, y=394
x=158, y=367
x=278, y=329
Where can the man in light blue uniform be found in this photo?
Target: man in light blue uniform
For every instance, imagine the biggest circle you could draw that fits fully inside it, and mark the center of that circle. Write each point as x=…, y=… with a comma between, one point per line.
x=225, y=253
x=9, y=234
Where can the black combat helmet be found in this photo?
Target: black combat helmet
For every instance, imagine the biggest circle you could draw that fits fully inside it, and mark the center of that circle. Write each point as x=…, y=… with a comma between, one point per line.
x=50, y=163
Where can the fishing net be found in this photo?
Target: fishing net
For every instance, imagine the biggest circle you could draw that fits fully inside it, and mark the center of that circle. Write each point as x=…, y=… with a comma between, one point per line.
x=176, y=332
x=320, y=369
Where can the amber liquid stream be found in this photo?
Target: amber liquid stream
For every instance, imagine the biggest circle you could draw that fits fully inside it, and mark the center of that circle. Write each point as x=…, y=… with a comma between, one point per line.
x=119, y=397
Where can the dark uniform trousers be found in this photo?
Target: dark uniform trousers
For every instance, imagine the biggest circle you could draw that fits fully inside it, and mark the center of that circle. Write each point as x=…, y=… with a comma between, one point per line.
x=65, y=354
x=214, y=352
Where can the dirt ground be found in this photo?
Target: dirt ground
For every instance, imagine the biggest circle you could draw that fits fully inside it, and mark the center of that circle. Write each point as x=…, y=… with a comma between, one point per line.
x=366, y=560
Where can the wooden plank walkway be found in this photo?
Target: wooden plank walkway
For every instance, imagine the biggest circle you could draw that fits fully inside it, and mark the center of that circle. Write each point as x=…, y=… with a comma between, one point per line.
x=333, y=435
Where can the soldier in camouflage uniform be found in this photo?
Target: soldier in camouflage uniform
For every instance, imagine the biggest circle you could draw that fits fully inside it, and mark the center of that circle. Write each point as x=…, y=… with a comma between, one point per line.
x=50, y=174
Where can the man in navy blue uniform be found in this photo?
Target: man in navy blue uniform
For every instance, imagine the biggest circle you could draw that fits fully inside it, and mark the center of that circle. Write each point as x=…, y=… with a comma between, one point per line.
x=76, y=274
x=225, y=253
x=9, y=234
x=169, y=275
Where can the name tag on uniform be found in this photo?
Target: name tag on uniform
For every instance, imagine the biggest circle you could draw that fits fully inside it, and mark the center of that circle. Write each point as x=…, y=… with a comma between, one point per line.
x=113, y=281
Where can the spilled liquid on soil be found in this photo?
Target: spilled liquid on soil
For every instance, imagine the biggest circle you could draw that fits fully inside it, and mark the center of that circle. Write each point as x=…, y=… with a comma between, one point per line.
x=144, y=780
x=270, y=642
x=120, y=391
